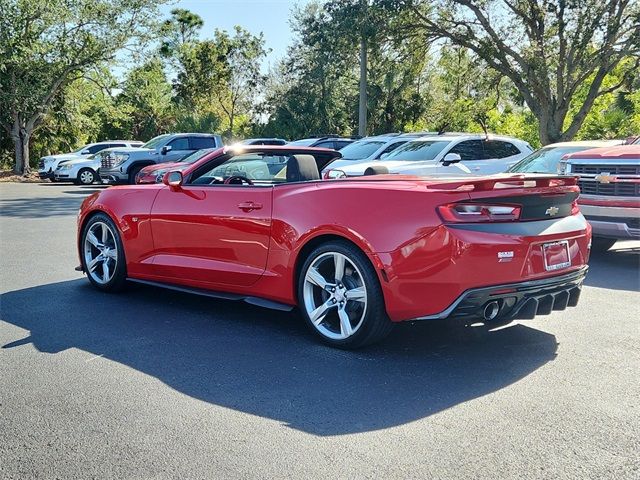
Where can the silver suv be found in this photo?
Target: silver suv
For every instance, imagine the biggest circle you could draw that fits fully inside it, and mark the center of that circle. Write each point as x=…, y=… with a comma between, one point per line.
x=121, y=165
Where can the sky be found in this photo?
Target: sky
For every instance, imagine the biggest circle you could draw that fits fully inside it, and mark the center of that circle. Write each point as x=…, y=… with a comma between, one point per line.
x=268, y=16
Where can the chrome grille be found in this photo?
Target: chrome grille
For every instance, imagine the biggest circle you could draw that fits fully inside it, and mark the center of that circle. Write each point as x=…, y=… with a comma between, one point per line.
x=617, y=189
x=106, y=162
x=589, y=169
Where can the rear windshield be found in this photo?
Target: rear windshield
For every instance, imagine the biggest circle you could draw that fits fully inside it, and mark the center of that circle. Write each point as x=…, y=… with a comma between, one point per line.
x=418, y=150
x=544, y=160
x=360, y=149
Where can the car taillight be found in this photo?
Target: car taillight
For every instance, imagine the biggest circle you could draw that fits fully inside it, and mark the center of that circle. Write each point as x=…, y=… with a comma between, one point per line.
x=474, y=212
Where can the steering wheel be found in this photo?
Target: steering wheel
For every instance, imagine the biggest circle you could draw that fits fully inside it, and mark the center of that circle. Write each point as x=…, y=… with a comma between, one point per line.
x=238, y=180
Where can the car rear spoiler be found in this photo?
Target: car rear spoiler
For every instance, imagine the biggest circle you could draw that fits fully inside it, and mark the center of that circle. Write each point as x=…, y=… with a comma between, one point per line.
x=499, y=182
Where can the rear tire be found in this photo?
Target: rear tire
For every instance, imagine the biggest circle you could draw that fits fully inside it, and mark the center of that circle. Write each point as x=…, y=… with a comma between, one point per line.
x=340, y=297
x=600, y=244
x=102, y=254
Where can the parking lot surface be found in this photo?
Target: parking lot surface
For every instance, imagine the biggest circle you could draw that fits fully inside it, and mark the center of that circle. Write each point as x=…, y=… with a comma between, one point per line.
x=158, y=384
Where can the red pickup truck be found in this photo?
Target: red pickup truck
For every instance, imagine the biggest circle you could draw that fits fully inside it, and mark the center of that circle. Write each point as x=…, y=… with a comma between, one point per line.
x=609, y=180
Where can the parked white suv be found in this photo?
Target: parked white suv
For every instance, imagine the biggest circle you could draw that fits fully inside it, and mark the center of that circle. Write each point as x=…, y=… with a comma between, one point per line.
x=475, y=154
x=48, y=164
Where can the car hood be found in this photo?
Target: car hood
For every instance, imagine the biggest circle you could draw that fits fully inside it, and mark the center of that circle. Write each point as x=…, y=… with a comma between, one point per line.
x=165, y=166
x=62, y=156
x=402, y=166
x=343, y=163
x=79, y=161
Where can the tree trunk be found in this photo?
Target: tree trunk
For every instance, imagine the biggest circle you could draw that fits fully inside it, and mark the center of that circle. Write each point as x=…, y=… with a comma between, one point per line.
x=550, y=126
x=362, y=110
x=21, y=138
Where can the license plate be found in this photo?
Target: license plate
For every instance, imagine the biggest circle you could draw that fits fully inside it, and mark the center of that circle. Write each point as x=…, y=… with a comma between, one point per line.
x=556, y=255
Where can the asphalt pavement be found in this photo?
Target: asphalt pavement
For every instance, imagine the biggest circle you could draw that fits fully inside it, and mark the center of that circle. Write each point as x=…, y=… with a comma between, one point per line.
x=159, y=384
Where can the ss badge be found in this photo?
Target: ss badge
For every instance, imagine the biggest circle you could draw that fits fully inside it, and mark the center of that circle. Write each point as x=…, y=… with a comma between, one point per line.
x=505, y=256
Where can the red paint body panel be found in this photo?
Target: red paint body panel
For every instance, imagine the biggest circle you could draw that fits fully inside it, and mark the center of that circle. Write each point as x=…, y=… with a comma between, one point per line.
x=216, y=242
x=198, y=237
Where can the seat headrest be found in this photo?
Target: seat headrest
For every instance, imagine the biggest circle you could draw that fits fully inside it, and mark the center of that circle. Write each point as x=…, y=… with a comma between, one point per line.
x=302, y=168
x=376, y=170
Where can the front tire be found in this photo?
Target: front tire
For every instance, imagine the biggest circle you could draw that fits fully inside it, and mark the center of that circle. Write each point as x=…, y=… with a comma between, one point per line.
x=102, y=256
x=86, y=176
x=340, y=296
x=133, y=173
x=601, y=245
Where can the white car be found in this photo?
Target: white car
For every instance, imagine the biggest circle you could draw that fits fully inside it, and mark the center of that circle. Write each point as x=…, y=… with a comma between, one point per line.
x=83, y=170
x=547, y=158
x=48, y=164
x=371, y=148
x=476, y=154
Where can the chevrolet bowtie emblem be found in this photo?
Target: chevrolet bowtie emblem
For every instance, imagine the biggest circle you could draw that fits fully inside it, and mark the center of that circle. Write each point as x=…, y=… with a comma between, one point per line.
x=606, y=178
x=551, y=211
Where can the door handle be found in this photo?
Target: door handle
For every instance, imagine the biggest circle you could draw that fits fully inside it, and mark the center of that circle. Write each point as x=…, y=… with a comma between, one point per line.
x=248, y=206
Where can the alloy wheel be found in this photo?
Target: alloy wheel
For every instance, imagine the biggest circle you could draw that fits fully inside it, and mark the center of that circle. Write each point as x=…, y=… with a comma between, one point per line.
x=335, y=296
x=86, y=177
x=100, y=252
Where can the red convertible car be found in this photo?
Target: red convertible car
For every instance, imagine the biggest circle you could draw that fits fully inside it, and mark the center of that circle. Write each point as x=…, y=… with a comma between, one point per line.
x=355, y=255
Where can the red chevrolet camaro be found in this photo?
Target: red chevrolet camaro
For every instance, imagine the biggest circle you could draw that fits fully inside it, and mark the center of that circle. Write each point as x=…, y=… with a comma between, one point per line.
x=355, y=255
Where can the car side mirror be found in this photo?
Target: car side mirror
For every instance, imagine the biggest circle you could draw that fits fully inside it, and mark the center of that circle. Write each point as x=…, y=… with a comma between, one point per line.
x=450, y=158
x=173, y=179
x=166, y=149
x=384, y=155
x=85, y=152
x=333, y=174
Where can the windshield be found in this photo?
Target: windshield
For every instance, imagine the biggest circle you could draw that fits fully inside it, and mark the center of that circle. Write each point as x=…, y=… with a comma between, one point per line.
x=84, y=147
x=195, y=156
x=360, y=149
x=155, y=141
x=305, y=142
x=418, y=150
x=544, y=160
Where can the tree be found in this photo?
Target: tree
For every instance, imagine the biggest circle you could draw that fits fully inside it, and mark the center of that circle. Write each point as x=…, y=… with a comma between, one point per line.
x=549, y=49
x=145, y=100
x=47, y=44
x=243, y=54
x=181, y=29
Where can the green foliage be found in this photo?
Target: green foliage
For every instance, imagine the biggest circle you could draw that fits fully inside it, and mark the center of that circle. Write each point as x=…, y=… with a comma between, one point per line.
x=57, y=92
x=45, y=45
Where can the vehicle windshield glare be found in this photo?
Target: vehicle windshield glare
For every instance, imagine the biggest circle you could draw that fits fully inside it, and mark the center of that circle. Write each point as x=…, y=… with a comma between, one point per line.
x=155, y=141
x=195, y=156
x=544, y=160
x=360, y=149
x=417, y=150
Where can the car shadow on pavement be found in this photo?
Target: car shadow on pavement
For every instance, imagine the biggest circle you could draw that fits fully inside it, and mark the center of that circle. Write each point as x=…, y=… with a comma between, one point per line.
x=40, y=207
x=617, y=269
x=266, y=363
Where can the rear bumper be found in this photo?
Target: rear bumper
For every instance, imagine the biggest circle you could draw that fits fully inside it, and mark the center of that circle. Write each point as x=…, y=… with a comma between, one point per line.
x=522, y=300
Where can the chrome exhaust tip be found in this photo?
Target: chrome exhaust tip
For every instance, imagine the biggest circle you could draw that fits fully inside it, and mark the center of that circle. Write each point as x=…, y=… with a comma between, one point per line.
x=491, y=310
